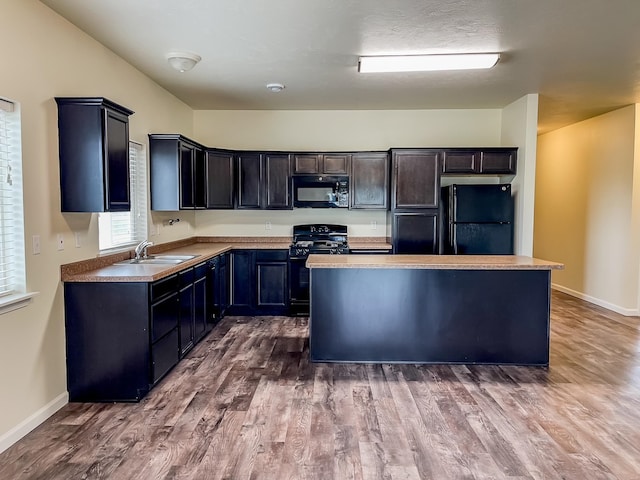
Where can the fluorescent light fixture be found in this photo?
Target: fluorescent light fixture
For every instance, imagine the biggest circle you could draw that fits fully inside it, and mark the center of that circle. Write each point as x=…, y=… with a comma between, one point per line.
x=426, y=63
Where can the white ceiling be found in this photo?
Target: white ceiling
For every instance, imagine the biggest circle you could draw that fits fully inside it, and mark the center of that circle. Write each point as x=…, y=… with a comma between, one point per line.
x=581, y=56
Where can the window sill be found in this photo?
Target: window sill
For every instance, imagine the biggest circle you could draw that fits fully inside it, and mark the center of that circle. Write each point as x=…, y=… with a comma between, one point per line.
x=118, y=249
x=15, y=301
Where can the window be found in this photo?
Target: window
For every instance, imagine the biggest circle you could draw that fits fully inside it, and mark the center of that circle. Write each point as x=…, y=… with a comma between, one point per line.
x=12, y=276
x=120, y=229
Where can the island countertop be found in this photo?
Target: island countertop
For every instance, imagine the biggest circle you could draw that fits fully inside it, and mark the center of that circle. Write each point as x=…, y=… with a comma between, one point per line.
x=433, y=262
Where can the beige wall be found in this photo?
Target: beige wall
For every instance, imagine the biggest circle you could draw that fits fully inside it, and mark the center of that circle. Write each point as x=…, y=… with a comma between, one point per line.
x=584, y=202
x=519, y=127
x=346, y=130
x=45, y=56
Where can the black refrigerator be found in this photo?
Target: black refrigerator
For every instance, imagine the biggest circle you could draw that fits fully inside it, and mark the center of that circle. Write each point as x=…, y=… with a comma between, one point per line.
x=477, y=220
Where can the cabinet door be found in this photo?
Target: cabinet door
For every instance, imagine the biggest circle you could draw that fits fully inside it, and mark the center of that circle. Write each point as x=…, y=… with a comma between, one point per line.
x=277, y=188
x=460, y=162
x=187, y=157
x=415, y=232
x=223, y=288
x=335, y=163
x=498, y=162
x=306, y=163
x=272, y=284
x=369, y=187
x=117, y=162
x=243, y=280
x=200, y=304
x=220, y=180
x=186, y=319
x=249, y=180
x=415, y=179
x=199, y=179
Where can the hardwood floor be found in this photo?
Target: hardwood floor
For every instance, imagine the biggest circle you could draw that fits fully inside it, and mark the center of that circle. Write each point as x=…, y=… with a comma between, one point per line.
x=247, y=404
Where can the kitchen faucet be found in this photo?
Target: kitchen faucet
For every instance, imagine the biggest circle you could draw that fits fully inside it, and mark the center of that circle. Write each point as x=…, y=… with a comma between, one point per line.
x=141, y=249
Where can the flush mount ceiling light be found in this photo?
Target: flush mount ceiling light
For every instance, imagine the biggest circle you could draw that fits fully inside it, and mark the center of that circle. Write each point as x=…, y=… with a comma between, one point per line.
x=275, y=87
x=426, y=63
x=183, y=61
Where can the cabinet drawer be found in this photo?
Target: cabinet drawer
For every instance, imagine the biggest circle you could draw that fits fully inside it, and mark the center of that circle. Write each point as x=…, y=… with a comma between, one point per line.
x=186, y=277
x=163, y=287
x=164, y=316
x=164, y=355
x=200, y=271
x=272, y=255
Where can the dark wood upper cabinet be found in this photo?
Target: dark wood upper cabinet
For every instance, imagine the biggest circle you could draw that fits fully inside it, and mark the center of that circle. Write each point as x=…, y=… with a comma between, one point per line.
x=321, y=163
x=93, y=140
x=306, y=163
x=496, y=161
x=501, y=161
x=220, y=179
x=415, y=178
x=277, y=184
x=264, y=181
x=249, y=180
x=369, y=181
x=335, y=163
x=460, y=162
x=177, y=172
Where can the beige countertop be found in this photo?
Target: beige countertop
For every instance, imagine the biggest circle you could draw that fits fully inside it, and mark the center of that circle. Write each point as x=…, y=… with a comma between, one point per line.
x=433, y=262
x=149, y=272
x=102, y=269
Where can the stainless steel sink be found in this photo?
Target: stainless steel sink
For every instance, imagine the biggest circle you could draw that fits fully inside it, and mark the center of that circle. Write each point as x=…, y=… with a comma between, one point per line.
x=158, y=260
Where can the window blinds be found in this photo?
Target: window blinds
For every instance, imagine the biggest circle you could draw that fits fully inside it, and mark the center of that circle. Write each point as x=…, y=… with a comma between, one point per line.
x=124, y=228
x=11, y=241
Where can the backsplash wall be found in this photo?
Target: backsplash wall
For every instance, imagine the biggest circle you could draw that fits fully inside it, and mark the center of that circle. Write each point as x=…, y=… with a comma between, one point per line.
x=254, y=222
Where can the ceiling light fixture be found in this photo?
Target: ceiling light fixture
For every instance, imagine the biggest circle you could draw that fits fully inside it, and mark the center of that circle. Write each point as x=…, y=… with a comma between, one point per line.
x=275, y=87
x=426, y=63
x=183, y=61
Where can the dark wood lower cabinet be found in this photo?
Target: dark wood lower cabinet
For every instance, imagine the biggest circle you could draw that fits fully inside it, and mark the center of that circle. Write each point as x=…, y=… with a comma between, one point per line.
x=260, y=280
x=123, y=338
x=415, y=232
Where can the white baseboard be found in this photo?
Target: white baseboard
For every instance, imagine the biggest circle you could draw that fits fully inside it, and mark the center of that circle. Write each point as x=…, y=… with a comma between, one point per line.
x=627, y=312
x=22, y=429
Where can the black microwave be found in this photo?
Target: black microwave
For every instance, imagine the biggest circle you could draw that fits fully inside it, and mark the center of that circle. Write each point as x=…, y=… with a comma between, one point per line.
x=321, y=191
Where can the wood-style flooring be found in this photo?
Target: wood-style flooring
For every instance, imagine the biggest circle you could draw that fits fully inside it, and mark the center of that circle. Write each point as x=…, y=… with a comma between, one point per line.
x=247, y=404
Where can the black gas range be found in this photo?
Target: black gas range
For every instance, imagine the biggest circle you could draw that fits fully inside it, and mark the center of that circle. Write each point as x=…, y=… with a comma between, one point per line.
x=311, y=239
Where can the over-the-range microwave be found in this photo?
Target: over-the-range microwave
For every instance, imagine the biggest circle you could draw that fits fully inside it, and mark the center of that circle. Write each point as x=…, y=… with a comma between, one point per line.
x=321, y=191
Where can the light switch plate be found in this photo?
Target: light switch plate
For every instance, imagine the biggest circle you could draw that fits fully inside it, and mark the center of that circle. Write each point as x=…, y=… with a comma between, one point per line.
x=60, y=241
x=35, y=240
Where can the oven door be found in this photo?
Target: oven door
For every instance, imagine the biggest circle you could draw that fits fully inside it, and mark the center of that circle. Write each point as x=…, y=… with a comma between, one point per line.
x=318, y=191
x=299, y=287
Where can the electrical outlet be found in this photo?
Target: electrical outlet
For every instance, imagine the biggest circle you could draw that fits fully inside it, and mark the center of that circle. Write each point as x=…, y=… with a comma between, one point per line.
x=78, y=242
x=374, y=225
x=35, y=240
x=267, y=225
x=60, y=241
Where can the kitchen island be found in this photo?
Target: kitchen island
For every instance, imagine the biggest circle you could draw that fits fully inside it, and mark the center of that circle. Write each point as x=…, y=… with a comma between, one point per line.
x=473, y=309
